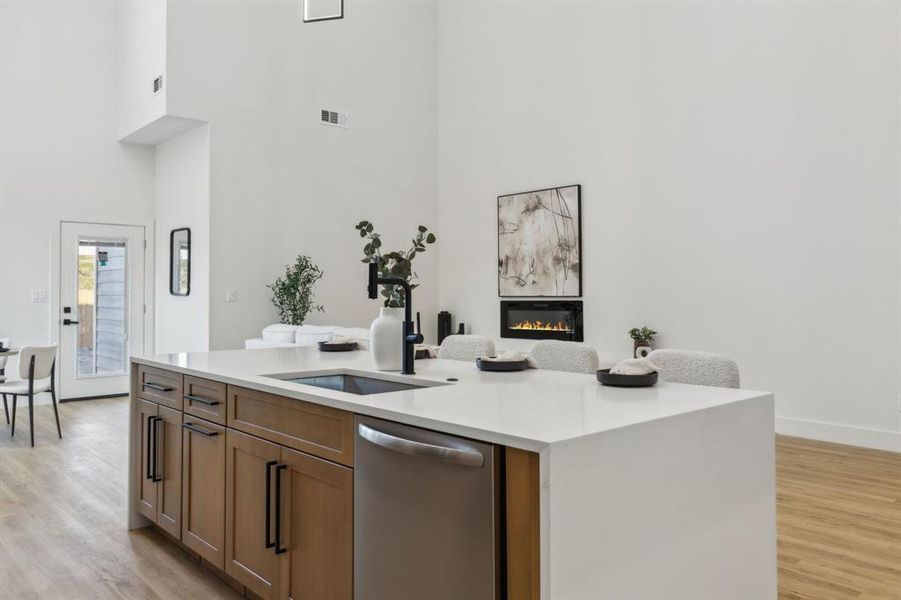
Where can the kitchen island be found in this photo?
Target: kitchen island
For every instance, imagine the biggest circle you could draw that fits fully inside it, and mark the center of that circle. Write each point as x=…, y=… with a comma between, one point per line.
x=662, y=492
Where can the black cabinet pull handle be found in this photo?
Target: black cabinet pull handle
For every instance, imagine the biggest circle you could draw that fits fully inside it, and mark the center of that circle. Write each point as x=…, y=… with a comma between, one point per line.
x=156, y=449
x=201, y=400
x=278, y=509
x=150, y=446
x=268, y=512
x=196, y=429
x=157, y=387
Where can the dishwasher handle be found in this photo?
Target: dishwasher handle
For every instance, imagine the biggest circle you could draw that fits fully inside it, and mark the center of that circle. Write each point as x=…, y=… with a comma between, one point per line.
x=453, y=456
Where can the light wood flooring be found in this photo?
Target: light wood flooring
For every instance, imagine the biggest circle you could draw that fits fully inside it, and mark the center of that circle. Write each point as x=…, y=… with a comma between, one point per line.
x=63, y=533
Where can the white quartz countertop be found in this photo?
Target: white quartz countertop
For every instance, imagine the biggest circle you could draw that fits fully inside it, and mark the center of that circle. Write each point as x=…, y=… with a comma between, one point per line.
x=529, y=409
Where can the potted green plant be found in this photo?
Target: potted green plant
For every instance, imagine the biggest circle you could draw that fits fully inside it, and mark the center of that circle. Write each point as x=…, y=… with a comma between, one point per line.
x=292, y=293
x=641, y=337
x=386, y=330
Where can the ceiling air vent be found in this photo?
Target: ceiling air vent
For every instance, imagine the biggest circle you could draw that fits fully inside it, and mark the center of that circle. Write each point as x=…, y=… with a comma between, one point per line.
x=331, y=117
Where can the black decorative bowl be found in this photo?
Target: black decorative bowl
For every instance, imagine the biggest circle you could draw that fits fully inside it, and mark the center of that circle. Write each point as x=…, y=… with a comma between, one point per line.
x=617, y=380
x=342, y=347
x=502, y=365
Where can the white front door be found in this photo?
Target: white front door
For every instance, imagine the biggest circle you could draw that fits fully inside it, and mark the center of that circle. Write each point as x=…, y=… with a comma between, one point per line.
x=101, y=307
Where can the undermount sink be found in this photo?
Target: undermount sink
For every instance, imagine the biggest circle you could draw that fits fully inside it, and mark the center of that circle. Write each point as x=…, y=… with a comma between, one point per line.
x=354, y=384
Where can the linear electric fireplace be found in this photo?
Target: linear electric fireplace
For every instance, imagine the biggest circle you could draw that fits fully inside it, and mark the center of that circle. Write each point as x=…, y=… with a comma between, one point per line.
x=542, y=319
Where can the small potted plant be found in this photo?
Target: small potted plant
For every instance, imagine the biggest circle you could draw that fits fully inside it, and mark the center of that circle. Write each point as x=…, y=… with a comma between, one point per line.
x=292, y=294
x=641, y=337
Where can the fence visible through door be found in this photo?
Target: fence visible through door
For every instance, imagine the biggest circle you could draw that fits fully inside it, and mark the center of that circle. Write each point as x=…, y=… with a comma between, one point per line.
x=101, y=306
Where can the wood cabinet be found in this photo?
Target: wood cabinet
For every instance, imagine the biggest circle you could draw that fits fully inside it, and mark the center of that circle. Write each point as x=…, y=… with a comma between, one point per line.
x=147, y=415
x=261, y=487
x=307, y=503
x=203, y=489
x=249, y=504
x=169, y=445
x=160, y=468
x=317, y=522
x=318, y=430
x=205, y=399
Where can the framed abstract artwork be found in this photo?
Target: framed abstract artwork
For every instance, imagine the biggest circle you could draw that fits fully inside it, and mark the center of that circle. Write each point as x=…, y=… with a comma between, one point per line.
x=539, y=243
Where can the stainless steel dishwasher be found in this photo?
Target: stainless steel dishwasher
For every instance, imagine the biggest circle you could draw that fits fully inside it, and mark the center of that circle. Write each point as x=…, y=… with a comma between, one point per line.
x=425, y=515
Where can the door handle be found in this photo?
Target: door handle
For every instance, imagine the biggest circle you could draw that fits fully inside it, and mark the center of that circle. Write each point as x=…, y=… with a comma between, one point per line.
x=156, y=449
x=150, y=447
x=196, y=429
x=453, y=456
x=69, y=322
x=157, y=387
x=268, y=512
x=201, y=400
x=278, y=509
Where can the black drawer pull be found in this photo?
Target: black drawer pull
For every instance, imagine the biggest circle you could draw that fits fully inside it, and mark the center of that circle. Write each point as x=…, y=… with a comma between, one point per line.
x=158, y=387
x=278, y=509
x=150, y=421
x=201, y=400
x=156, y=449
x=196, y=429
x=268, y=512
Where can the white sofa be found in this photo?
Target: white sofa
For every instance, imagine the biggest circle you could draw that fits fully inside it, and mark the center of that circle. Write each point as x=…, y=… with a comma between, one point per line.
x=280, y=335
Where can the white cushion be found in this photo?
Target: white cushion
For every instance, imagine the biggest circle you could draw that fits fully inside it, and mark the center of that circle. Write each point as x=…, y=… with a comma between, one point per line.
x=316, y=328
x=20, y=388
x=279, y=333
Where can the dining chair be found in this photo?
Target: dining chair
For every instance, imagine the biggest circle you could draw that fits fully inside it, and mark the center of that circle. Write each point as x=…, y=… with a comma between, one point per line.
x=4, y=343
x=37, y=370
x=558, y=355
x=465, y=347
x=694, y=367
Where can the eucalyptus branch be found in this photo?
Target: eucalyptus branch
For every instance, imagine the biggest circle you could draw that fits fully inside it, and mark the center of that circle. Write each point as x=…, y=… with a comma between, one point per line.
x=396, y=263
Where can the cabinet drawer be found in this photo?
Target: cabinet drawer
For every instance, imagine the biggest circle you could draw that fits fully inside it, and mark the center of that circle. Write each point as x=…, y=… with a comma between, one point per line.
x=159, y=385
x=318, y=430
x=205, y=399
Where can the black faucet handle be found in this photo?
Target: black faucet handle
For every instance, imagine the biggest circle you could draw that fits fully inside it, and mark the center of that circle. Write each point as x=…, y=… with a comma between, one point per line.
x=414, y=336
x=373, y=287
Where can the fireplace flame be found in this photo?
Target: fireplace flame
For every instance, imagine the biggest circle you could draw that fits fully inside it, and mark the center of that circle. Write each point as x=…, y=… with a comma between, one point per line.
x=541, y=326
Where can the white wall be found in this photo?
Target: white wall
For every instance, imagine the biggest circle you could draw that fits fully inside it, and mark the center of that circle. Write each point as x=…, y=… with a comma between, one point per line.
x=59, y=159
x=739, y=164
x=183, y=200
x=283, y=184
x=141, y=52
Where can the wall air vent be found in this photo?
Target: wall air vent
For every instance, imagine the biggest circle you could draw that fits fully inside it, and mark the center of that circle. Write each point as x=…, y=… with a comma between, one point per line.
x=157, y=84
x=331, y=117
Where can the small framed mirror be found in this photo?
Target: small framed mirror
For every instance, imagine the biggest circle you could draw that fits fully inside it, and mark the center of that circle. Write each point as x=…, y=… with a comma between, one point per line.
x=180, y=262
x=322, y=10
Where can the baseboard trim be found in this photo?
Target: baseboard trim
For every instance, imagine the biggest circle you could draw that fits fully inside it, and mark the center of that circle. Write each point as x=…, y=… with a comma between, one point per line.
x=878, y=439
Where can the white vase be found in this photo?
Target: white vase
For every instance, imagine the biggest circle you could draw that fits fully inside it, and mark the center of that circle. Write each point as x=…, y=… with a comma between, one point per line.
x=385, y=336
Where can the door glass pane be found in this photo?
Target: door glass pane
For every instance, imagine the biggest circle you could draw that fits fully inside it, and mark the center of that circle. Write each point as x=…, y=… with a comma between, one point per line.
x=102, y=324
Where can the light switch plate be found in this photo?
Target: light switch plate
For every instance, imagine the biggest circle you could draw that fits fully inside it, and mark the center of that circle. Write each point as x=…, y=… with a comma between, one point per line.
x=231, y=295
x=38, y=295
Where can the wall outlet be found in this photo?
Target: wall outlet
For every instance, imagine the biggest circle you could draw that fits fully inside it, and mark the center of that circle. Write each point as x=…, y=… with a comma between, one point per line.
x=38, y=295
x=231, y=295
